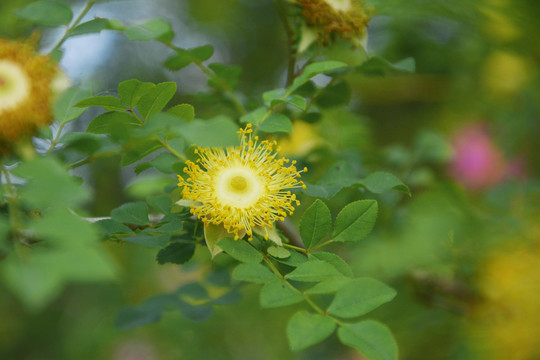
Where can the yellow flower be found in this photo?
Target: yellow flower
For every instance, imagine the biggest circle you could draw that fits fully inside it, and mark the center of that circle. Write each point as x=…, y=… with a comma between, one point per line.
x=244, y=188
x=347, y=19
x=25, y=92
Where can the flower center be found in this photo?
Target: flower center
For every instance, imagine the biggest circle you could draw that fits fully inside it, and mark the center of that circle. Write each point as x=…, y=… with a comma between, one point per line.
x=14, y=85
x=238, y=187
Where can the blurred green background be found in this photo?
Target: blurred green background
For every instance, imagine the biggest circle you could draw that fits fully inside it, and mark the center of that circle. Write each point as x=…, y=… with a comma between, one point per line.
x=462, y=132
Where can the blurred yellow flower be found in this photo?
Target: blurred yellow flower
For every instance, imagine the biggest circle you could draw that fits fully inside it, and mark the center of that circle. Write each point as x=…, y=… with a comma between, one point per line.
x=300, y=141
x=242, y=188
x=327, y=20
x=507, y=324
x=25, y=92
x=505, y=73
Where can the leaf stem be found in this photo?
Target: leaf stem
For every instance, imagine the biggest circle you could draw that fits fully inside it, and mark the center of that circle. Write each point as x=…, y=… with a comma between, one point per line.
x=320, y=245
x=84, y=11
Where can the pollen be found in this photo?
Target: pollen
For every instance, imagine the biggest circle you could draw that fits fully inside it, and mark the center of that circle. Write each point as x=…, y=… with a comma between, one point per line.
x=25, y=92
x=241, y=187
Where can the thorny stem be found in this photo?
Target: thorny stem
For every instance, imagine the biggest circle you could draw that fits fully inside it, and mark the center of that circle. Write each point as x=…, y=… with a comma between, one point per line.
x=291, y=42
x=84, y=11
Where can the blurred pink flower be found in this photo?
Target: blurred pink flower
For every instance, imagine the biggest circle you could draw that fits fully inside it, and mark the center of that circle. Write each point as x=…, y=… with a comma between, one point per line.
x=477, y=162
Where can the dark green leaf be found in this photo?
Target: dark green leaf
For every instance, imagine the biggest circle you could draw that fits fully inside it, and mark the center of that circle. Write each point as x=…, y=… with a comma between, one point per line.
x=161, y=203
x=373, y=339
x=296, y=100
x=176, y=253
x=240, y=250
x=195, y=313
x=46, y=13
x=376, y=66
x=315, y=69
x=156, y=99
x=109, y=227
x=218, y=131
x=278, y=252
x=276, y=123
x=89, y=27
x=338, y=94
x=268, y=96
x=313, y=271
x=333, y=259
x=306, y=329
x=137, y=150
x=255, y=273
x=117, y=124
x=329, y=286
x=131, y=317
x=254, y=117
x=355, y=221
x=135, y=213
x=315, y=223
x=225, y=73
x=184, y=57
x=278, y=293
x=360, y=297
x=294, y=260
x=148, y=240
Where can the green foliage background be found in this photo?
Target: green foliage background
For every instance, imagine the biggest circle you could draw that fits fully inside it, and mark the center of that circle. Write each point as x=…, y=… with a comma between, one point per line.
x=384, y=130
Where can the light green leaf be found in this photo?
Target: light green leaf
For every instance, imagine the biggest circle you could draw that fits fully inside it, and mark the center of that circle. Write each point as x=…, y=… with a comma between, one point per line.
x=377, y=66
x=306, y=329
x=136, y=150
x=135, y=213
x=46, y=13
x=109, y=103
x=380, y=182
x=315, y=223
x=213, y=234
x=225, y=73
x=219, y=131
x=185, y=112
x=333, y=259
x=255, y=273
x=64, y=109
x=254, y=117
x=155, y=29
x=295, y=100
x=373, y=339
x=276, y=123
x=89, y=27
x=360, y=297
x=240, y=250
x=270, y=95
x=329, y=286
x=118, y=125
x=278, y=293
x=156, y=99
x=313, y=271
x=315, y=69
x=279, y=252
x=355, y=221
x=110, y=227
x=131, y=91
x=184, y=57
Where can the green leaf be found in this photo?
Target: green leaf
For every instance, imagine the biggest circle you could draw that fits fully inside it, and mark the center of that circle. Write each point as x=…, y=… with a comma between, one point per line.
x=294, y=260
x=132, y=317
x=360, y=297
x=185, y=112
x=110, y=227
x=220, y=131
x=195, y=313
x=279, y=252
x=162, y=203
x=376, y=66
x=270, y=95
x=212, y=236
x=46, y=13
x=131, y=91
x=276, y=123
x=49, y=184
x=109, y=103
x=149, y=240
x=135, y=213
x=254, y=117
x=338, y=94
x=90, y=27
x=295, y=100
x=333, y=259
x=373, y=339
x=322, y=191
x=117, y=124
x=355, y=221
x=156, y=99
x=184, y=57
x=240, y=250
x=225, y=73
x=155, y=29
x=315, y=223
x=329, y=286
x=278, y=293
x=255, y=273
x=315, y=69
x=137, y=150
x=380, y=182
x=83, y=142
x=176, y=253
x=58, y=226
x=64, y=110
x=306, y=329
x=313, y=271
